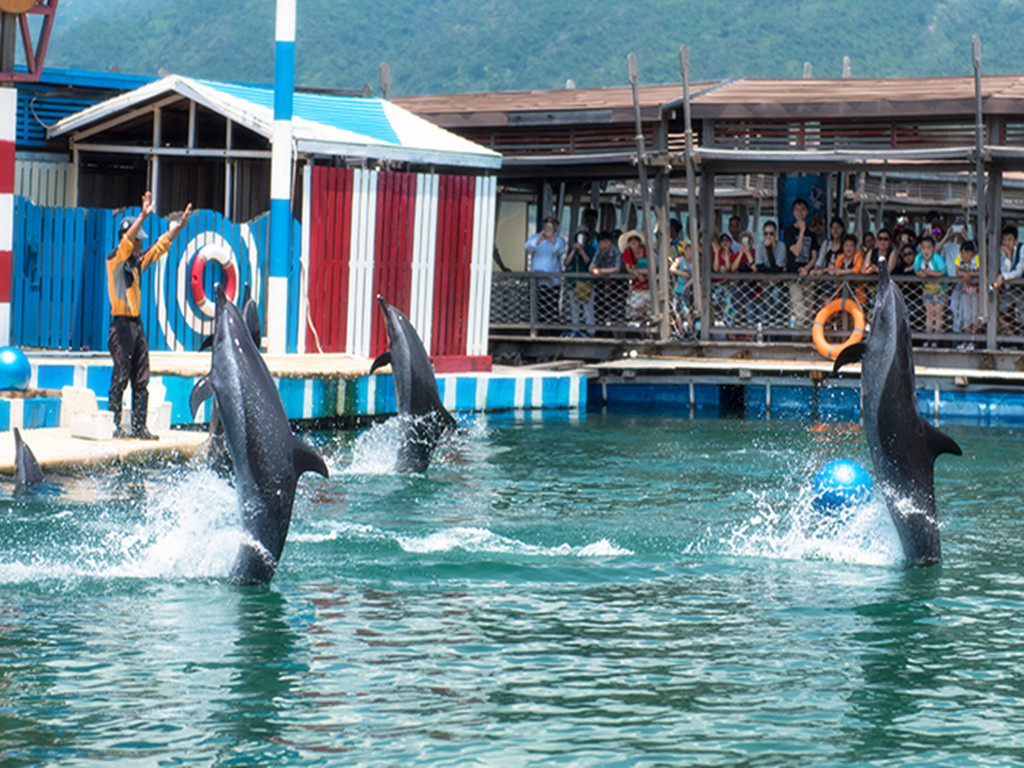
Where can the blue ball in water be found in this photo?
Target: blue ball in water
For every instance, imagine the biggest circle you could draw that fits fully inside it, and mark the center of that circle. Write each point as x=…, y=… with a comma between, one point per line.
x=839, y=484
x=15, y=369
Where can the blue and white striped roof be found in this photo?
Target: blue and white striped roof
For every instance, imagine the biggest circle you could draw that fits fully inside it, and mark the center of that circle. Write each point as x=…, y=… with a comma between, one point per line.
x=323, y=124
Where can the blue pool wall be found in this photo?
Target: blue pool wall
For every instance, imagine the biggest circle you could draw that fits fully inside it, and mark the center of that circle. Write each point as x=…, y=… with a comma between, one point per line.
x=310, y=398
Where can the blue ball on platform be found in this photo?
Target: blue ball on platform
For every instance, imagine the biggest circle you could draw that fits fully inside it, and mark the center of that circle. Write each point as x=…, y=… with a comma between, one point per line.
x=15, y=369
x=840, y=484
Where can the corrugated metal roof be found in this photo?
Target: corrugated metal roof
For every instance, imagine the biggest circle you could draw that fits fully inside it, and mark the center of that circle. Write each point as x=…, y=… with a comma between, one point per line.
x=63, y=92
x=810, y=99
x=496, y=108
x=325, y=124
x=364, y=116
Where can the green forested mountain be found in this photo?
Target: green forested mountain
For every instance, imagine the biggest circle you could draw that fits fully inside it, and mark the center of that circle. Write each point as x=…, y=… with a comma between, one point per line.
x=442, y=46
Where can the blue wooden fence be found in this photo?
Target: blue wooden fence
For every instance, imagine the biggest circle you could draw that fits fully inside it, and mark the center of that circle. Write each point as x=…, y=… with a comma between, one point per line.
x=59, y=282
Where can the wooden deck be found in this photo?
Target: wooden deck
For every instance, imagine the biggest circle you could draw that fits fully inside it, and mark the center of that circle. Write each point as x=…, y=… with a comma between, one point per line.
x=326, y=366
x=57, y=450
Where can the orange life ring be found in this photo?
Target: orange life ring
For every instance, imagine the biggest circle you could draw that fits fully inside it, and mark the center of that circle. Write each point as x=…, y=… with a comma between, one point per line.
x=852, y=308
x=224, y=257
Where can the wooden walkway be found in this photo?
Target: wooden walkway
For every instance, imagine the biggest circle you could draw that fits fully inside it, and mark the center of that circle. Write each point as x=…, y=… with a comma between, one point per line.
x=325, y=366
x=56, y=449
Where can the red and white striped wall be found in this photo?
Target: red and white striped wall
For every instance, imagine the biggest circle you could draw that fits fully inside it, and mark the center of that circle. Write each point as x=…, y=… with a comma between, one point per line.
x=8, y=122
x=423, y=241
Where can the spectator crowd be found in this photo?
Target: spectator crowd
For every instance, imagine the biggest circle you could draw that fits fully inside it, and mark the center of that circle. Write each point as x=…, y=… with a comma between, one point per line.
x=610, y=286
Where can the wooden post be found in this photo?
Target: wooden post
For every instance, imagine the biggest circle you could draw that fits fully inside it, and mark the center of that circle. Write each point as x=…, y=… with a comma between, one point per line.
x=385, y=79
x=989, y=308
x=696, y=253
x=994, y=217
x=656, y=271
x=707, y=220
x=8, y=40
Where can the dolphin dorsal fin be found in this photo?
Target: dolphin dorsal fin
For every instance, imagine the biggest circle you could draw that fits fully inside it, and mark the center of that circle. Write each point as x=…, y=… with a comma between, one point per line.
x=381, y=361
x=850, y=354
x=26, y=470
x=940, y=442
x=306, y=459
x=202, y=390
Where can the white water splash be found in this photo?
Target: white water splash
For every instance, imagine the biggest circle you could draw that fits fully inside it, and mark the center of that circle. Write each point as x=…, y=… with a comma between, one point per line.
x=189, y=529
x=793, y=529
x=375, y=450
x=465, y=538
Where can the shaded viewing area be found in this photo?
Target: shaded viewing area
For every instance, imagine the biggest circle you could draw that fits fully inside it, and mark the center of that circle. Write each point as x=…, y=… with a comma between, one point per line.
x=878, y=153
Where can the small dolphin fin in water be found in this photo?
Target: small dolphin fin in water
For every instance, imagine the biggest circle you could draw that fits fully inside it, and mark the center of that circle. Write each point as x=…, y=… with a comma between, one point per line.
x=851, y=354
x=382, y=360
x=26, y=469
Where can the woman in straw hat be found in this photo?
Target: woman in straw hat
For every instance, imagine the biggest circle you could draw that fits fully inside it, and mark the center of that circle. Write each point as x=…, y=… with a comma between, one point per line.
x=634, y=259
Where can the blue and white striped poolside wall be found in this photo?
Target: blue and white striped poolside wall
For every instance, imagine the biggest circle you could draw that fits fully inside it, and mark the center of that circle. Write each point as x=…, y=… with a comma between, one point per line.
x=311, y=398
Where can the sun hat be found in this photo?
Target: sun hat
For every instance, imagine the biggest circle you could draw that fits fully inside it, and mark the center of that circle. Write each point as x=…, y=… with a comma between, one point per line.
x=625, y=237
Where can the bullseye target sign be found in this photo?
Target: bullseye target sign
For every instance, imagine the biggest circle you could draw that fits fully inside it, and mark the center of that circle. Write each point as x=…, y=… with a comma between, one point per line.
x=185, y=283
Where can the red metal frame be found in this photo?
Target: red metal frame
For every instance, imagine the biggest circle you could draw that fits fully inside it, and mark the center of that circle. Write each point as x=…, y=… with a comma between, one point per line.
x=392, y=260
x=34, y=55
x=329, y=245
x=453, y=265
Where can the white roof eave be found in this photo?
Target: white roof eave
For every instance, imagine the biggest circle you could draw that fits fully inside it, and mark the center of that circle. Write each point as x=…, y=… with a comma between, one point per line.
x=443, y=147
x=397, y=153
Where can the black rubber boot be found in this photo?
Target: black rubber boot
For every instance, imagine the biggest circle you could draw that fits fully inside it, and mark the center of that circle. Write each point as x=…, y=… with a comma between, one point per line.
x=140, y=406
x=119, y=432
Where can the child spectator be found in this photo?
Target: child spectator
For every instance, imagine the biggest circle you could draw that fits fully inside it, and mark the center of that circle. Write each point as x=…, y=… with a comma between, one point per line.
x=850, y=261
x=928, y=263
x=966, y=297
x=680, y=269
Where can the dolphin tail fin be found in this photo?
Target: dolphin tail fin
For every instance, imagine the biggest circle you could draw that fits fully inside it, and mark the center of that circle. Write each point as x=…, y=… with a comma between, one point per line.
x=26, y=469
x=381, y=361
x=202, y=390
x=850, y=354
x=308, y=460
x=940, y=442
x=448, y=420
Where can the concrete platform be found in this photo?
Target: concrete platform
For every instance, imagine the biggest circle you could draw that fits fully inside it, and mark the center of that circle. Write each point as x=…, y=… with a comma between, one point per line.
x=56, y=449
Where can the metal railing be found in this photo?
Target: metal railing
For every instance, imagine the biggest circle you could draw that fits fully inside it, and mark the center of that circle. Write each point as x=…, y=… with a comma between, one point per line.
x=747, y=307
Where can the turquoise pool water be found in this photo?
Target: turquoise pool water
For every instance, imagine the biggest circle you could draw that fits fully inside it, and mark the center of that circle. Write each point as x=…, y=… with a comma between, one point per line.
x=608, y=590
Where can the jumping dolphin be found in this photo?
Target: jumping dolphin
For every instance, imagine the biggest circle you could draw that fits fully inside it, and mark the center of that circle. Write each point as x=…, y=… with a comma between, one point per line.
x=216, y=453
x=268, y=459
x=26, y=469
x=424, y=416
x=903, y=445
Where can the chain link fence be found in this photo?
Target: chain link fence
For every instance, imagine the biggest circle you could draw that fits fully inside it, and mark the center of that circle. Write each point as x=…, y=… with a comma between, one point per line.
x=943, y=312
